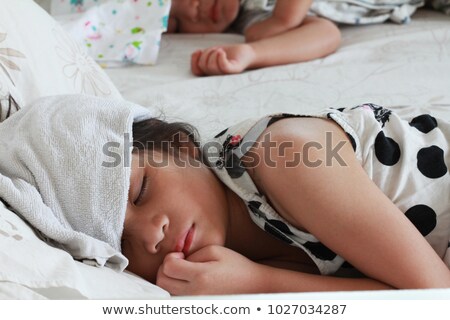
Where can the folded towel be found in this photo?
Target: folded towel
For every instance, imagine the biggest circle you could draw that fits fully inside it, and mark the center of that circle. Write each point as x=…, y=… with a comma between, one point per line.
x=64, y=168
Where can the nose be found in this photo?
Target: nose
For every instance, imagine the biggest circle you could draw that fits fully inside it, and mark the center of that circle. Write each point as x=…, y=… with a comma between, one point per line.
x=195, y=3
x=192, y=11
x=187, y=9
x=159, y=225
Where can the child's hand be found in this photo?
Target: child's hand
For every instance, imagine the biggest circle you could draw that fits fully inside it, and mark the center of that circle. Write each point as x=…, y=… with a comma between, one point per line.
x=211, y=270
x=222, y=60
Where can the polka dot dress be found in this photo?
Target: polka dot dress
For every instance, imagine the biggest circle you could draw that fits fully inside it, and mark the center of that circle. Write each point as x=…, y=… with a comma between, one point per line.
x=406, y=158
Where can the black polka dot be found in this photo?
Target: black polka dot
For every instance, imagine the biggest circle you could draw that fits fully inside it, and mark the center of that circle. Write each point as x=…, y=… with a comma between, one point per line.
x=254, y=206
x=423, y=218
x=430, y=162
x=319, y=250
x=221, y=133
x=387, y=150
x=347, y=265
x=280, y=225
x=234, y=166
x=274, y=226
x=424, y=123
x=352, y=141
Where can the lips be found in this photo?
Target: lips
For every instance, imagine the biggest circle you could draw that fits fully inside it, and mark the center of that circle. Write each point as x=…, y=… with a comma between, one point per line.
x=215, y=12
x=188, y=241
x=185, y=242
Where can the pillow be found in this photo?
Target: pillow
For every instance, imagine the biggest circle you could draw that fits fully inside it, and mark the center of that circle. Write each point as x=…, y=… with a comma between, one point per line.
x=38, y=58
x=115, y=31
x=52, y=273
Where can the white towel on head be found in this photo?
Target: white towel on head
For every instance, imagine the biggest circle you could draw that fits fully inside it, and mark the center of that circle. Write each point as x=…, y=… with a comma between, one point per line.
x=65, y=168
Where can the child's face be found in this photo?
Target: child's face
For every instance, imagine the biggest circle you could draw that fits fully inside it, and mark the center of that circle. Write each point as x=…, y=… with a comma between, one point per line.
x=202, y=16
x=180, y=210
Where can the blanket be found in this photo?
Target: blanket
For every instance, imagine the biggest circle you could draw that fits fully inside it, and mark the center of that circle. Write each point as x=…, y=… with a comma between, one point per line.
x=65, y=169
x=366, y=11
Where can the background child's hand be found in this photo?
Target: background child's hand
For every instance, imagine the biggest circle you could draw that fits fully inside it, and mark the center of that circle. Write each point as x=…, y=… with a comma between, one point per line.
x=211, y=270
x=265, y=29
x=222, y=60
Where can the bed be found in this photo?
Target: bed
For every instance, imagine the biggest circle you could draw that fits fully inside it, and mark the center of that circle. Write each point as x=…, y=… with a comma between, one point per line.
x=399, y=66
x=404, y=67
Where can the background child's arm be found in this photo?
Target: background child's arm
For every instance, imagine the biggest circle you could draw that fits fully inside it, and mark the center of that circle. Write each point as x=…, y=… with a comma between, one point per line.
x=287, y=14
x=314, y=39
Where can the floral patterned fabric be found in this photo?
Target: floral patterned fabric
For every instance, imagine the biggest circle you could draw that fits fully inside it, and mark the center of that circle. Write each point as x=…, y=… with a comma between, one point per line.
x=45, y=61
x=115, y=31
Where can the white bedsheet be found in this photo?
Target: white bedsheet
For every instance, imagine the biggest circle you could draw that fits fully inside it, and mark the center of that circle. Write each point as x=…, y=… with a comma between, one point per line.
x=400, y=66
x=389, y=64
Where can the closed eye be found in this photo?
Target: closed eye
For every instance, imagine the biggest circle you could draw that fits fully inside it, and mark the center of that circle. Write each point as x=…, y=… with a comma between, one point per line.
x=143, y=191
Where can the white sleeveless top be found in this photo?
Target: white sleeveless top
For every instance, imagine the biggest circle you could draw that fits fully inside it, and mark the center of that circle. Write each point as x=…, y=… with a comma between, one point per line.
x=407, y=159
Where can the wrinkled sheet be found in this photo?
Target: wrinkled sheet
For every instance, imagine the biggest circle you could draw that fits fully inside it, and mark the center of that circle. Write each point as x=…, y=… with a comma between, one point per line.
x=391, y=65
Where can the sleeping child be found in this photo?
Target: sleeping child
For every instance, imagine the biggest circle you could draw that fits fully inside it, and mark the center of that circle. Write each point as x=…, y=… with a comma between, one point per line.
x=276, y=32
x=282, y=203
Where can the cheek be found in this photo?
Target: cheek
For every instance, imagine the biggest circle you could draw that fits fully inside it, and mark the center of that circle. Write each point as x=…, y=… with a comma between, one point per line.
x=172, y=25
x=230, y=10
x=197, y=27
x=142, y=263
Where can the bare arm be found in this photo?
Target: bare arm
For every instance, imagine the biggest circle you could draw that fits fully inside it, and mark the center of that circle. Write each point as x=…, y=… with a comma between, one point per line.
x=270, y=279
x=291, y=11
x=286, y=15
x=345, y=210
x=315, y=38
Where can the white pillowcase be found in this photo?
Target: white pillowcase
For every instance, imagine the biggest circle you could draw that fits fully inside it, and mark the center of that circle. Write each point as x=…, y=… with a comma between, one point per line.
x=38, y=58
x=52, y=273
x=115, y=32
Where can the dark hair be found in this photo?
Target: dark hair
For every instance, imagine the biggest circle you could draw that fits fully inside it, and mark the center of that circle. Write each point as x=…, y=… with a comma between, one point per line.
x=158, y=135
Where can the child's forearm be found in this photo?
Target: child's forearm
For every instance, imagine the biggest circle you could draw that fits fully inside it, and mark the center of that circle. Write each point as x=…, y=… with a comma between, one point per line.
x=314, y=39
x=291, y=12
x=270, y=279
